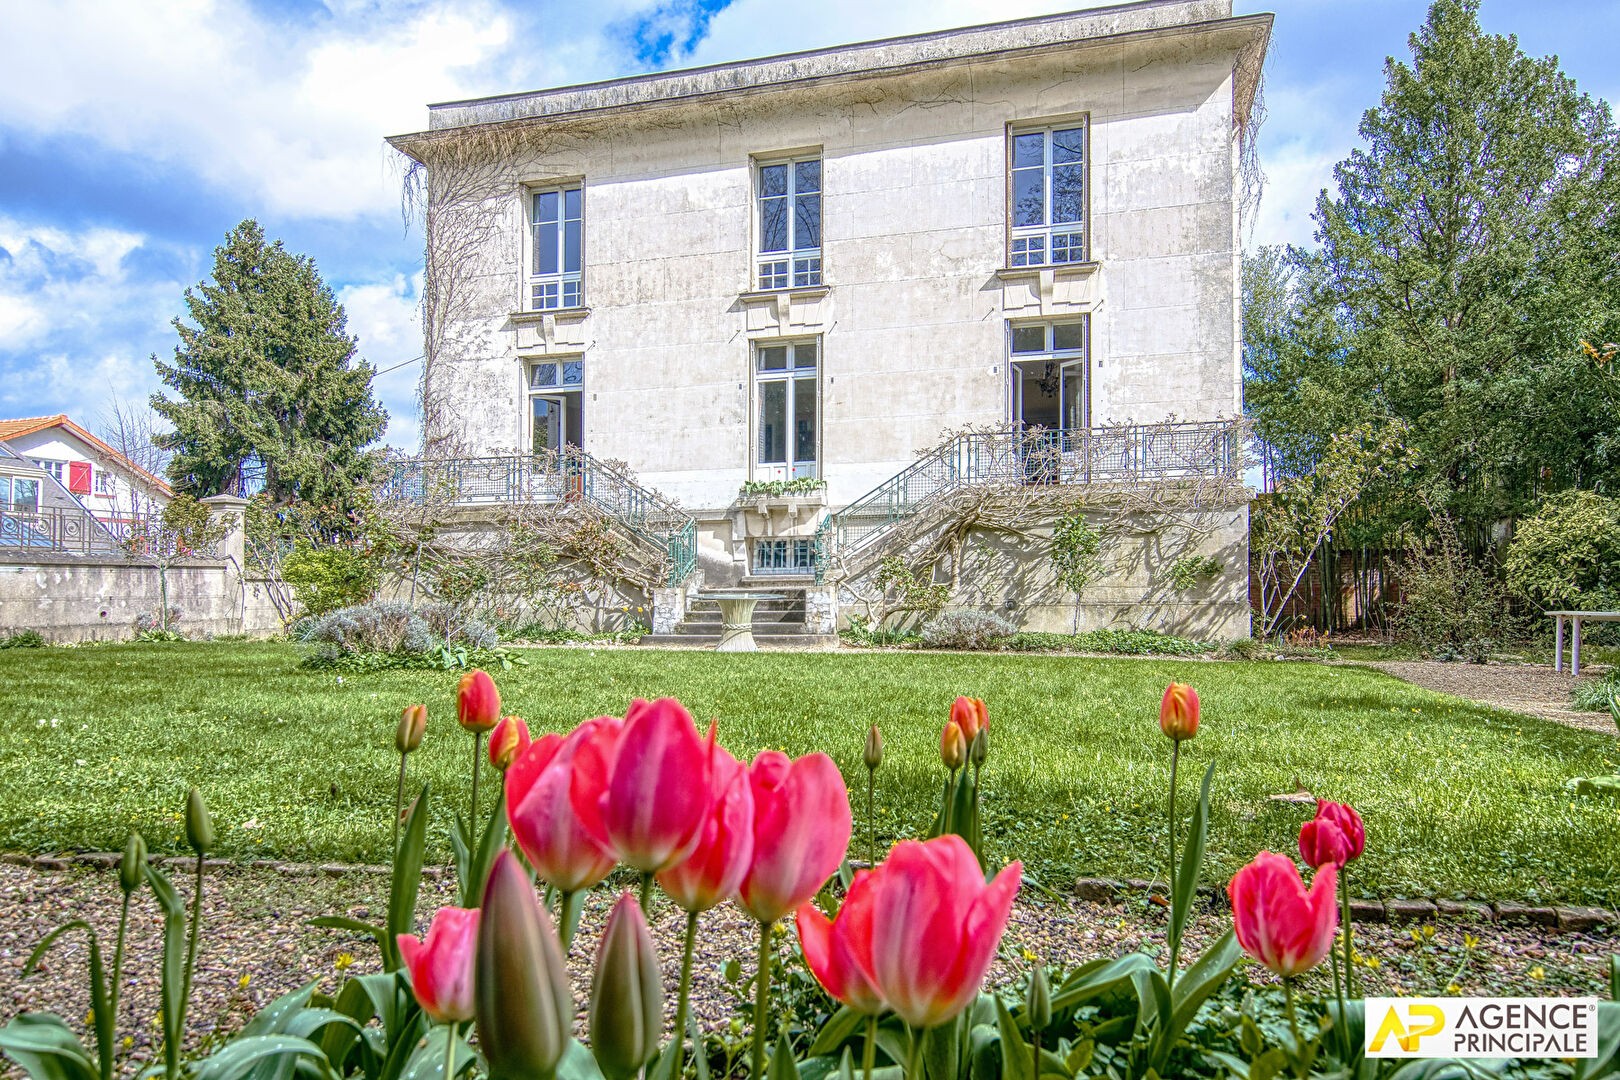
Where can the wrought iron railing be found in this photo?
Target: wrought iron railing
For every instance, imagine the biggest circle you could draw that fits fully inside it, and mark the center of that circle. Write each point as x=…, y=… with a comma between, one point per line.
x=1119, y=454
x=76, y=531
x=567, y=476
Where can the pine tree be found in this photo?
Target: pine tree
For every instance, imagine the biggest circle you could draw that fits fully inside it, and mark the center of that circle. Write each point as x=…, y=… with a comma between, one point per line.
x=266, y=381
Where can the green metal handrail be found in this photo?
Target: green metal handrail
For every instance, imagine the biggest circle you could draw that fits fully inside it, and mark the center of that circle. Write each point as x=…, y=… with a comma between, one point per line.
x=566, y=476
x=1125, y=453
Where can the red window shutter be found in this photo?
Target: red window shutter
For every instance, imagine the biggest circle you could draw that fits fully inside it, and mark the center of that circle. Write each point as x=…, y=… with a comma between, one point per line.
x=79, y=477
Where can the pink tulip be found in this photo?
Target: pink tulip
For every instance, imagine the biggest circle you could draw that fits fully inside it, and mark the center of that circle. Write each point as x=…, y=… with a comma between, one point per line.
x=1321, y=842
x=442, y=966
x=654, y=781
x=509, y=739
x=802, y=825
x=1178, y=712
x=839, y=951
x=1349, y=823
x=970, y=715
x=725, y=848
x=935, y=926
x=478, y=703
x=1278, y=923
x=543, y=789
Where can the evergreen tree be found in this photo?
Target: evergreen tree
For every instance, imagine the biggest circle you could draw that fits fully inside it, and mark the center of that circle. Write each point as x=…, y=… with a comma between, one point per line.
x=266, y=382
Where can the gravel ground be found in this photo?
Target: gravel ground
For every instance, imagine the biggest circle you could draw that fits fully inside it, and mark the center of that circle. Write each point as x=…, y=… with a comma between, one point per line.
x=1535, y=689
x=256, y=946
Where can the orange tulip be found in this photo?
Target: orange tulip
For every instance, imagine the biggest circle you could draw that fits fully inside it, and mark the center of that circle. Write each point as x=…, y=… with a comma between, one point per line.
x=478, y=703
x=1178, y=712
x=509, y=739
x=412, y=724
x=952, y=746
x=970, y=715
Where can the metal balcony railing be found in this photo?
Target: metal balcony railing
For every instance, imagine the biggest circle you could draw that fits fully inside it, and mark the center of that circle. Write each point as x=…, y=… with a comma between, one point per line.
x=570, y=475
x=1119, y=454
x=75, y=531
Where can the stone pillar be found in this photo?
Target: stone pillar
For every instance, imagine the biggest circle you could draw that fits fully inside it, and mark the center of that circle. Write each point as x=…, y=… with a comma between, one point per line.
x=229, y=511
x=668, y=609
x=821, y=609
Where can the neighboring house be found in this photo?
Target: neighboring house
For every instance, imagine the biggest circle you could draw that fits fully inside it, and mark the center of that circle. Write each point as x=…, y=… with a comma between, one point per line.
x=109, y=485
x=815, y=266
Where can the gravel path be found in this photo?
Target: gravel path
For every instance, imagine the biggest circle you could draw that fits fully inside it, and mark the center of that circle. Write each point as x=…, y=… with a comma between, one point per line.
x=256, y=946
x=1534, y=689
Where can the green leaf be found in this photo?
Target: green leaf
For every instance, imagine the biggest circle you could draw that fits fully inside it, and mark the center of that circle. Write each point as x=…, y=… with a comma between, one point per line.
x=699, y=1058
x=428, y=1061
x=578, y=1063
x=940, y=1051
x=174, y=966
x=843, y=1026
x=245, y=1054
x=846, y=1065
x=1099, y=977
x=489, y=845
x=1268, y=1065
x=1192, y=861
x=407, y=880
x=1015, y=1063
x=782, y=1066
x=1193, y=988
x=1608, y=1044
x=101, y=1015
x=45, y=1048
x=272, y=1019
x=340, y=922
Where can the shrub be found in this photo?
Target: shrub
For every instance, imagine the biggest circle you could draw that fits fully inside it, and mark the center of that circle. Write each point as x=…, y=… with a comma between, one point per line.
x=23, y=639
x=1190, y=571
x=148, y=621
x=1244, y=649
x=390, y=627
x=799, y=485
x=1567, y=554
x=863, y=633
x=1452, y=604
x=1594, y=695
x=1116, y=642
x=330, y=577
x=967, y=628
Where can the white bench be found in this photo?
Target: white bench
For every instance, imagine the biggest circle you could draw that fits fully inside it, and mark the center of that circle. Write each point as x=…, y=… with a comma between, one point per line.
x=1575, y=618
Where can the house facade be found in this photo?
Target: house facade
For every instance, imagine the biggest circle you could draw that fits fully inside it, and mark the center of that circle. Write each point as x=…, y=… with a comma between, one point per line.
x=796, y=274
x=114, y=489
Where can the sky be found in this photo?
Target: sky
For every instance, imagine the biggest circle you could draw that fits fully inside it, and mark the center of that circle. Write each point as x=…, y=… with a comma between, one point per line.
x=134, y=134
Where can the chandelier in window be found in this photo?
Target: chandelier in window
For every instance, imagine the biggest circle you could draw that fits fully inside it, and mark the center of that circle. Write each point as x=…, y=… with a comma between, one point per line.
x=1049, y=381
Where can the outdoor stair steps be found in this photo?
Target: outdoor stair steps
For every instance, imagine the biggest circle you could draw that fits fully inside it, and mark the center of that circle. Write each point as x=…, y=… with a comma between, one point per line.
x=776, y=622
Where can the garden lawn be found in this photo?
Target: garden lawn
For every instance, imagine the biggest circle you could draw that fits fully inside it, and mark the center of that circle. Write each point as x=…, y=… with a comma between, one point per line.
x=1459, y=800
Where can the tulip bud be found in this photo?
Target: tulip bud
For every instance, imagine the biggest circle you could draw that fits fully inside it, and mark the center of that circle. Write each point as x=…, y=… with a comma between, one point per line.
x=132, y=867
x=952, y=747
x=525, y=1014
x=509, y=739
x=979, y=749
x=412, y=723
x=627, y=999
x=1038, y=1002
x=874, y=749
x=478, y=703
x=199, y=826
x=1178, y=712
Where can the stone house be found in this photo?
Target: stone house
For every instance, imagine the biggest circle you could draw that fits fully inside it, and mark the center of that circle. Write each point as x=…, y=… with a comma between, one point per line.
x=812, y=299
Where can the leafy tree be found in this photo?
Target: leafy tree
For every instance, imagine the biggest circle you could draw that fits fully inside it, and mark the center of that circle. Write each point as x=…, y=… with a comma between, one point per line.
x=1467, y=250
x=1567, y=554
x=266, y=381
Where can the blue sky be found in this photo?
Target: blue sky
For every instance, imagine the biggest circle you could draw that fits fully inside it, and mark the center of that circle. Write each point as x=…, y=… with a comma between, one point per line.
x=134, y=135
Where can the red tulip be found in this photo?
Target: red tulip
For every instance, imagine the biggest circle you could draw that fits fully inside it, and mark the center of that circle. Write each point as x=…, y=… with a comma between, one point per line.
x=1278, y=922
x=654, y=782
x=725, y=846
x=935, y=927
x=802, y=825
x=554, y=807
x=839, y=951
x=1321, y=842
x=442, y=966
x=969, y=714
x=509, y=739
x=952, y=746
x=1349, y=823
x=478, y=703
x=1178, y=712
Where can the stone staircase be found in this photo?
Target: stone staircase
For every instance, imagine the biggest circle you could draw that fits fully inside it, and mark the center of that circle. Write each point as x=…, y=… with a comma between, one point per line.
x=777, y=623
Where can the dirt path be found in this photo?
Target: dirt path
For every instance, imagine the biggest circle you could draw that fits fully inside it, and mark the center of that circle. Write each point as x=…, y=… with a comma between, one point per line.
x=1534, y=689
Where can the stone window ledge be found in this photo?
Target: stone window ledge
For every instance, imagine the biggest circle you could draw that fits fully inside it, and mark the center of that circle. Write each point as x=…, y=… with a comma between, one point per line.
x=575, y=314
x=1059, y=271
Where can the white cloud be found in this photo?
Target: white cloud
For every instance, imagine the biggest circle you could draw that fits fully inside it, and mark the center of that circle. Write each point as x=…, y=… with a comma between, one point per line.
x=385, y=319
x=53, y=280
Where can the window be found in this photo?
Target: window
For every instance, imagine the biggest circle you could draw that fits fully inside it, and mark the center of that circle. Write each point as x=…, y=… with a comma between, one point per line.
x=104, y=483
x=785, y=392
x=556, y=406
x=789, y=197
x=784, y=557
x=1049, y=375
x=557, y=239
x=1048, y=196
x=19, y=493
x=55, y=468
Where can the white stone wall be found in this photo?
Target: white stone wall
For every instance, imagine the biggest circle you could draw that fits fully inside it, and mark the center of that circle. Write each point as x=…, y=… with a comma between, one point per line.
x=913, y=320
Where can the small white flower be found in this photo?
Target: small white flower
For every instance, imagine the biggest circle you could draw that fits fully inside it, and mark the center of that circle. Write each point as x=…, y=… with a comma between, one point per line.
x=340, y=680
x=80, y=762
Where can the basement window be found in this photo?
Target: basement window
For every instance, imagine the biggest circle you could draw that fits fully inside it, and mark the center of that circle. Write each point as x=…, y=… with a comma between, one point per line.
x=788, y=557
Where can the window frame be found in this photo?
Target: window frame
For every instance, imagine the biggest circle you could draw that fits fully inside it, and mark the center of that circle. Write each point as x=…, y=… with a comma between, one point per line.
x=789, y=376
x=1014, y=233
x=531, y=369
x=1058, y=358
x=789, y=258
x=533, y=280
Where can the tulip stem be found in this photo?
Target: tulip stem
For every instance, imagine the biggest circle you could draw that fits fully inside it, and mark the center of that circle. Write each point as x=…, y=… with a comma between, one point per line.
x=478, y=759
x=191, y=946
x=871, y=821
x=762, y=991
x=566, y=923
x=450, y=1051
x=1175, y=938
x=399, y=807
x=646, y=890
x=869, y=1050
x=950, y=804
x=1298, y=1055
x=118, y=959
x=1344, y=917
x=914, y=1063
x=682, y=1003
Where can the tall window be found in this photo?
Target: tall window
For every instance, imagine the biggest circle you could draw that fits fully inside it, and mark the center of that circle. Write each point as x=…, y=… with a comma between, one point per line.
x=789, y=198
x=556, y=405
x=1049, y=375
x=557, y=238
x=785, y=389
x=1048, y=196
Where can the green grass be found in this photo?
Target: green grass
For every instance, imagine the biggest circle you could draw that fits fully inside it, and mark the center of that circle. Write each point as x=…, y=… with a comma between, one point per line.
x=1458, y=800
